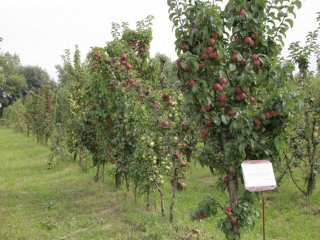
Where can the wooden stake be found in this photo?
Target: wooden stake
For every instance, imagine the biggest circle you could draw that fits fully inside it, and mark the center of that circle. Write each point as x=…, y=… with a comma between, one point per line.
x=263, y=216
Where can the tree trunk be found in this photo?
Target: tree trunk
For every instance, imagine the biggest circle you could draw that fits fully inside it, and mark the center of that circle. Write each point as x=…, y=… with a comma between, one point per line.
x=96, y=177
x=75, y=156
x=233, y=197
x=148, y=198
x=103, y=170
x=135, y=193
x=118, y=178
x=188, y=155
x=174, y=193
x=161, y=199
x=233, y=184
x=311, y=181
x=126, y=176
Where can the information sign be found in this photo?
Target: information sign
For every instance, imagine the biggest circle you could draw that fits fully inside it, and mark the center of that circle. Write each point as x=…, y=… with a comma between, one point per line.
x=258, y=175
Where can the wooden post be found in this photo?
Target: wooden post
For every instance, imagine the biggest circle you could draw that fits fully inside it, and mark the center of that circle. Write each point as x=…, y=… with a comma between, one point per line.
x=263, y=216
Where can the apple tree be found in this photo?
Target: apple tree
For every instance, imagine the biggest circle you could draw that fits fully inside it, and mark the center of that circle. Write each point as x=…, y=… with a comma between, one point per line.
x=303, y=143
x=114, y=89
x=229, y=60
x=69, y=110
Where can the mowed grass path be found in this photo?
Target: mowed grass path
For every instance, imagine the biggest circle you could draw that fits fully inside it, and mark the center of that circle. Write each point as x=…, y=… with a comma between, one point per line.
x=65, y=203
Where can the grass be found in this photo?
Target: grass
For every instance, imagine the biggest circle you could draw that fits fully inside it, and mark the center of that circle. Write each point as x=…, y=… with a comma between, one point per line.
x=65, y=203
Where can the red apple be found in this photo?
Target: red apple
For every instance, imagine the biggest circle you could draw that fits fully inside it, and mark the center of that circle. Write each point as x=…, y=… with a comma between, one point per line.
x=179, y=64
x=208, y=123
x=123, y=62
x=222, y=98
x=203, y=110
x=177, y=155
x=252, y=99
x=256, y=63
x=132, y=83
x=187, y=68
x=204, y=56
x=212, y=41
x=242, y=12
x=231, y=113
x=238, y=91
x=223, y=80
x=222, y=104
x=202, y=65
x=243, y=61
x=229, y=209
x=242, y=96
x=218, y=87
x=204, y=133
x=165, y=123
x=234, y=57
x=123, y=56
x=226, y=180
x=233, y=222
x=97, y=56
x=190, y=83
x=128, y=66
x=170, y=102
x=165, y=96
x=257, y=122
x=214, y=55
x=183, y=164
x=215, y=35
x=254, y=57
x=210, y=50
x=268, y=115
x=247, y=40
x=184, y=47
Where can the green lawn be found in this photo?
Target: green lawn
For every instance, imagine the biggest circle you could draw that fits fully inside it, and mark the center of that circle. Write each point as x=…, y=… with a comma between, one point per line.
x=65, y=203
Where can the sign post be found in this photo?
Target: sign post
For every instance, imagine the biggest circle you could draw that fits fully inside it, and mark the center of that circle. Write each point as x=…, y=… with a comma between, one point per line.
x=263, y=216
x=258, y=176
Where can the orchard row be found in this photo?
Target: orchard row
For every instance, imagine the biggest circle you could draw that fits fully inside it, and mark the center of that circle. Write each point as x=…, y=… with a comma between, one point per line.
x=228, y=97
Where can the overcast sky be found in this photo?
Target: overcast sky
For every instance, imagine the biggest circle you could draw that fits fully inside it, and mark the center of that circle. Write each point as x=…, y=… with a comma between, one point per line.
x=40, y=30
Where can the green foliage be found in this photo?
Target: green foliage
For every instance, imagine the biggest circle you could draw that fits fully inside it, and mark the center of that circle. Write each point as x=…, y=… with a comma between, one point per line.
x=301, y=54
x=39, y=113
x=14, y=116
x=35, y=77
x=70, y=107
x=12, y=84
x=231, y=75
x=303, y=136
